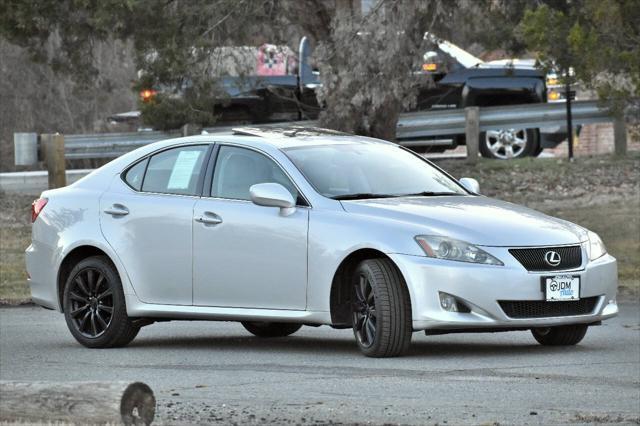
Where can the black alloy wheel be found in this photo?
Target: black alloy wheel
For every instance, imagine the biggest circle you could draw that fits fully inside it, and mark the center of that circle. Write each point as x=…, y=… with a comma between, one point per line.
x=364, y=312
x=91, y=302
x=94, y=305
x=380, y=309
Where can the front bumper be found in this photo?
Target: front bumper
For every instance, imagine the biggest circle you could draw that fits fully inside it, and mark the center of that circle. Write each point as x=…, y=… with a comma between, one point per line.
x=480, y=287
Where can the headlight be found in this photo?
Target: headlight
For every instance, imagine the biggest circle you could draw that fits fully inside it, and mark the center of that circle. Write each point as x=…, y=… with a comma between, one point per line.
x=595, y=248
x=450, y=249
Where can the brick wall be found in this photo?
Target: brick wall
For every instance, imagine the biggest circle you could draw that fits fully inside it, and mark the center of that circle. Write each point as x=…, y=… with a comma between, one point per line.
x=595, y=139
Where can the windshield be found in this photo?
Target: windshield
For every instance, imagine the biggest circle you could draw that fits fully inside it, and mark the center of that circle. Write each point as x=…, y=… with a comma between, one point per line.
x=353, y=171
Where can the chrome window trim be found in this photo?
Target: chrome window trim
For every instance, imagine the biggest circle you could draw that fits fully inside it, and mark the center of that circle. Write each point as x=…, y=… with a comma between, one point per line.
x=147, y=158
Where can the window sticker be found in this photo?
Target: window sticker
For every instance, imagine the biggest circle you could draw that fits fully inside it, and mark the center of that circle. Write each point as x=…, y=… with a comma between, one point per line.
x=183, y=169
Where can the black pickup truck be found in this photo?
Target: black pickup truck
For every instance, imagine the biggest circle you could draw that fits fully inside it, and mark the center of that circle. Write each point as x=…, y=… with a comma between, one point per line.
x=461, y=80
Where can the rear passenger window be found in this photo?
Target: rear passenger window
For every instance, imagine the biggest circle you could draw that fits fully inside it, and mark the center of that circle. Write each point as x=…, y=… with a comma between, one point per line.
x=175, y=171
x=134, y=175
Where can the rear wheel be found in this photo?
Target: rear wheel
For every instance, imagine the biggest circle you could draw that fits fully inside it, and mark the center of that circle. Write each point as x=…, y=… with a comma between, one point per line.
x=565, y=335
x=505, y=144
x=381, y=309
x=271, y=329
x=94, y=306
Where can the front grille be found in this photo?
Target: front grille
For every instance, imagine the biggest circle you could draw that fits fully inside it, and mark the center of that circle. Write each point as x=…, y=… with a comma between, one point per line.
x=534, y=258
x=543, y=309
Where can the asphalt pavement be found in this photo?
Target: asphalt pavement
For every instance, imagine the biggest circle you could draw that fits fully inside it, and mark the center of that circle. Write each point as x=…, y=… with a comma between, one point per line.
x=216, y=372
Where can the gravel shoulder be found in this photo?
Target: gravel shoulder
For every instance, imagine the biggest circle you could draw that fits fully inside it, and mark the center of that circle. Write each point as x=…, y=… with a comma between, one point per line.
x=217, y=373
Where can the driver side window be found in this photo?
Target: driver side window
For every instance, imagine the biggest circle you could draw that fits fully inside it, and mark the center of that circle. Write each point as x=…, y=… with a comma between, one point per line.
x=237, y=169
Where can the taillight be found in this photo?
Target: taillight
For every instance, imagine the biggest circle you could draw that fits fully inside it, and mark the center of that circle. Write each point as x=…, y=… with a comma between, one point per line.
x=36, y=208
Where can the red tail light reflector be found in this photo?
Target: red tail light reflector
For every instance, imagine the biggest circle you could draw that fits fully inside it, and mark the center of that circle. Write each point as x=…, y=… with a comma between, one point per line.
x=36, y=208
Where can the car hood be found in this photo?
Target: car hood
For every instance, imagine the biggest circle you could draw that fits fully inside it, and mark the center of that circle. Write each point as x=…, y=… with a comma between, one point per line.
x=474, y=219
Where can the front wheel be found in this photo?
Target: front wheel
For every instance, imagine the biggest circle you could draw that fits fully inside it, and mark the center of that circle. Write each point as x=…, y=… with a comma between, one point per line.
x=505, y=144
x=566, y=335
x=381, y=309
x=271, y=329
x=94, y=306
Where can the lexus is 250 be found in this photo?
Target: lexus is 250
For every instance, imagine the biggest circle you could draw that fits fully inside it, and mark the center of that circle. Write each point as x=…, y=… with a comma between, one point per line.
x=280, y=228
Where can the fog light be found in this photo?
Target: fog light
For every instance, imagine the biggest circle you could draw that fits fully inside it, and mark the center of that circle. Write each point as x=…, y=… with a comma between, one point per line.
x=448, y=302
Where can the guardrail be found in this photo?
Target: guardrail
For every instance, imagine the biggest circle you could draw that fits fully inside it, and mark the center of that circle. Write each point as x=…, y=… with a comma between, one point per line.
x=413, y=129
x=453, y=121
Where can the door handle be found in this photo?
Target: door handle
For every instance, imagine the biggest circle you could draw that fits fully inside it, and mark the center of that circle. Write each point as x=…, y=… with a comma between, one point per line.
x=117, y=210
x=209, y=218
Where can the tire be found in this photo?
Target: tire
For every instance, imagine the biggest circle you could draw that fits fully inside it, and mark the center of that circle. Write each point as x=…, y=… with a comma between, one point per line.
x=91, y=291
x=381, y=309
x=506, y=144
x=271, y=329
x=566, y=335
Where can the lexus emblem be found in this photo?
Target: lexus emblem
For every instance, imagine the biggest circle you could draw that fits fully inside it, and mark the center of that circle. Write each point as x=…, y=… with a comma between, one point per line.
x=552, y=258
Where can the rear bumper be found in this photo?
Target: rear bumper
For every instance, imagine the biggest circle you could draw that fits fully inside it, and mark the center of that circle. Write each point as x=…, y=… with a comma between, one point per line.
x=42, y=282
x=482, y=287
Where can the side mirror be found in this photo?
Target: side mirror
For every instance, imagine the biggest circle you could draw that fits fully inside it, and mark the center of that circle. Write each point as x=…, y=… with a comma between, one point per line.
x=470, y=184
x=272, y=195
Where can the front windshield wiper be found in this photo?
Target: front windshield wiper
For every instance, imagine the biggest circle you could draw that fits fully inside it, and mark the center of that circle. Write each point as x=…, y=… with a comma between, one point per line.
x=362, y=196
x=367, y=195
x=430, y=194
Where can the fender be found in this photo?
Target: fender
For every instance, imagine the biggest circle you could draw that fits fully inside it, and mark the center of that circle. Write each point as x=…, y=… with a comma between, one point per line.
x=102, y=245
x=327, y=250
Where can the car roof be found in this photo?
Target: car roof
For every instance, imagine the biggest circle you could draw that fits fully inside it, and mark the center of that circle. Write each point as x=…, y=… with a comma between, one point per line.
x=282, y=137
x=276, y=138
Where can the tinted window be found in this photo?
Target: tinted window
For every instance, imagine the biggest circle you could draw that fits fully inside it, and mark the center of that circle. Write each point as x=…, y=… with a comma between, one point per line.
x=175, y=171
x=378, y=169
x=237, y=169
x=135, y=174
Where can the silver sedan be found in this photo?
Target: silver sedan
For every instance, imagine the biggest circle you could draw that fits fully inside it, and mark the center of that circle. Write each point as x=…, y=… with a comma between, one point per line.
x=283, y=228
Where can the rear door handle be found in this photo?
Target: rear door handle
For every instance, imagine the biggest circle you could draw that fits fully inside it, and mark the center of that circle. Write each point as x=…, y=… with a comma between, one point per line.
x=117, y=210
x=209, y=218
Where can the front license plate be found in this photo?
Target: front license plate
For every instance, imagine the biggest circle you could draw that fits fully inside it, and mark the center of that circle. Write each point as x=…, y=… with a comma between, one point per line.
x=562, y=287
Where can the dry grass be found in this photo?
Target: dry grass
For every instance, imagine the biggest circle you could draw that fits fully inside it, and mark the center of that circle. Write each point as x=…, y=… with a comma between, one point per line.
x=618, y=224
x=15, y=236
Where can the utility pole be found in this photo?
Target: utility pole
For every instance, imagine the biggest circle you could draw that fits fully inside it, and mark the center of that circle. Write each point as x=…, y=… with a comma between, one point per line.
x=567, y=94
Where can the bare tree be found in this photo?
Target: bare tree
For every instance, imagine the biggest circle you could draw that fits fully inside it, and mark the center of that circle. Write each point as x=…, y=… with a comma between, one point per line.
x=366, y=61
x=33, y=98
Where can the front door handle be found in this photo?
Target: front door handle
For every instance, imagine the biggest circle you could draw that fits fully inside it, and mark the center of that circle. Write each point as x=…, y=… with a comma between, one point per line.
x=209, y=218
x=117, y=210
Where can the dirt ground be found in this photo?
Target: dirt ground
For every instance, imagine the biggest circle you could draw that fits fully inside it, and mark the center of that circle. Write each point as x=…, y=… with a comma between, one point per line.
x=600, y=193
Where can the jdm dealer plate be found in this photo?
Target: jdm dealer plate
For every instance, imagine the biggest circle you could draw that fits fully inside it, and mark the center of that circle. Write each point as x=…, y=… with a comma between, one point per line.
x=561, y=287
